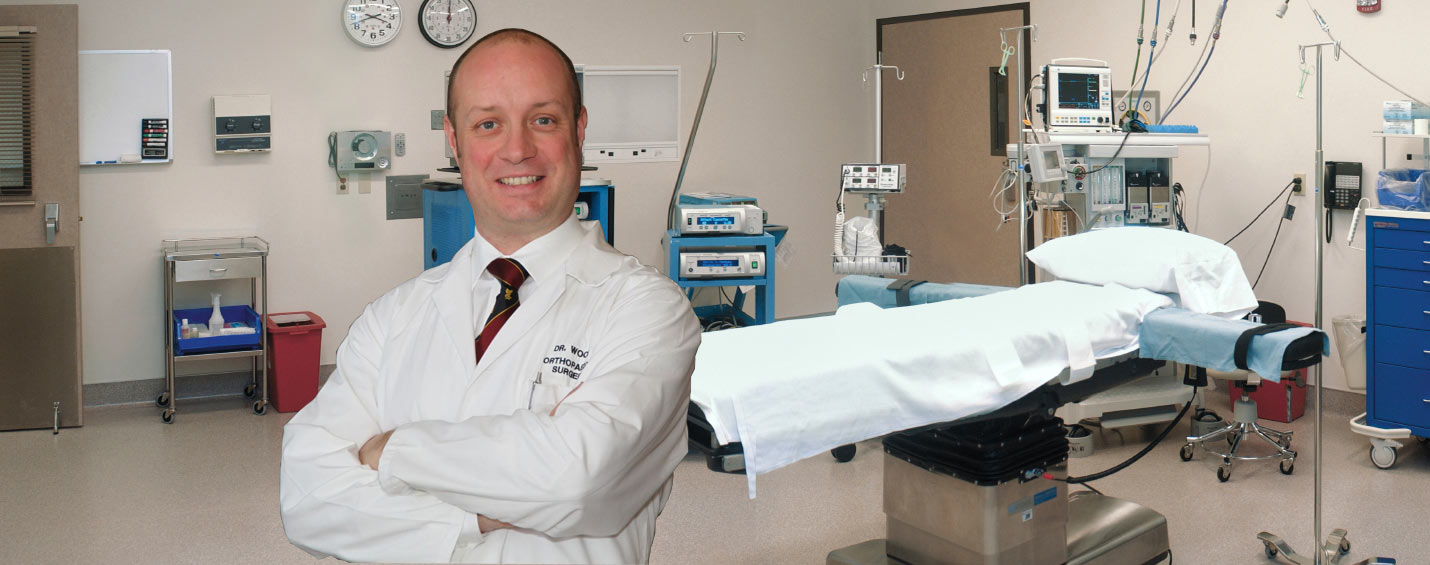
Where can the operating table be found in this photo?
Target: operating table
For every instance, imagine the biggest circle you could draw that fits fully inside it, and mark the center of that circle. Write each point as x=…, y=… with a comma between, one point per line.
x=983, y=367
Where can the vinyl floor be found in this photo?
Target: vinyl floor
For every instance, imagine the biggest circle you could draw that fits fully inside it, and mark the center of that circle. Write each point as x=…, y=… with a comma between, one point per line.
x=126, y=488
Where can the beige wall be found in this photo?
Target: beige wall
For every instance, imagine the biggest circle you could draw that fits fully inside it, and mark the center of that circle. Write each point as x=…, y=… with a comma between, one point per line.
x=786, y=108
x=1261, y=132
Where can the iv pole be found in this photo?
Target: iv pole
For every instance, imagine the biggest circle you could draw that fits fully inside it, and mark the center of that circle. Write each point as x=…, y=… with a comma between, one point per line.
x=875, y=203
x=1336, y=545
x=1022, y=181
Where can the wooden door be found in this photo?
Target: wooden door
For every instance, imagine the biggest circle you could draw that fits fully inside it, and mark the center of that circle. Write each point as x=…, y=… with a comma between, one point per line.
x=944, y=121
x=39, y=171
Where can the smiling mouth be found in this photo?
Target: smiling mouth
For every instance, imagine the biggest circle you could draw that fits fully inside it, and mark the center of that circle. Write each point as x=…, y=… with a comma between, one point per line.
x=519, y=181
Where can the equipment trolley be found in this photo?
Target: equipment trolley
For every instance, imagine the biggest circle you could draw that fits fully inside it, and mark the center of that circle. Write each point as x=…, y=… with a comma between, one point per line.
x=216, y=259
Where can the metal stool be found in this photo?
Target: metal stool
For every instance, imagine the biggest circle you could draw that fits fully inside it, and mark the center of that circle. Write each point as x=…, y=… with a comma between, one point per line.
x=1241, y=427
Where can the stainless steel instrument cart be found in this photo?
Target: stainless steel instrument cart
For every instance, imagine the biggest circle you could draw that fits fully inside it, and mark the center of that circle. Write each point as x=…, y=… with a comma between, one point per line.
x=213, y=259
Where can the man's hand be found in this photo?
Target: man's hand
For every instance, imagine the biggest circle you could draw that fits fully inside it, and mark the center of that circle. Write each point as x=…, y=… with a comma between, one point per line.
x=372, y=450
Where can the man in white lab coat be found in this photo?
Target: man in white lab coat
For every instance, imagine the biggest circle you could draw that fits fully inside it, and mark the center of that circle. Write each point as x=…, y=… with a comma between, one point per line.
x=551, y=437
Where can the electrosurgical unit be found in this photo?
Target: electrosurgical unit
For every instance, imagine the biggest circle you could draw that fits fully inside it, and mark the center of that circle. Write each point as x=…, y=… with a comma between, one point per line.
x=874, y=178
x=1078, y=97
x=722, y=263
x=708, y=219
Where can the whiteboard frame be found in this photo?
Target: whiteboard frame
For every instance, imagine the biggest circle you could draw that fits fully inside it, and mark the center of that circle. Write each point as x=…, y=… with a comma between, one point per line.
x=597, y=152
x=169, y=103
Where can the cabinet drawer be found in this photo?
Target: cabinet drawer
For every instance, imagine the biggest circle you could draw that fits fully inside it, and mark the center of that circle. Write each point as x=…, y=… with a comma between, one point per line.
x=1400, y=346
x=1403, y=239
x=1401, y=395
x=1401, y=259
x=1399, y=278
x=214, y=269
x=1403, y=308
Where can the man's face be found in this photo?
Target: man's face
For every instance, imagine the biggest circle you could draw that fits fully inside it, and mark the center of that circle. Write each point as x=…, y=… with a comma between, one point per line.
x=517, y=140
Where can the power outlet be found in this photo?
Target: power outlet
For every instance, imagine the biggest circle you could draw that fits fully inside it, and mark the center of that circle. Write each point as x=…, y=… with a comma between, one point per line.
x=342, y=186
x=1300, y=186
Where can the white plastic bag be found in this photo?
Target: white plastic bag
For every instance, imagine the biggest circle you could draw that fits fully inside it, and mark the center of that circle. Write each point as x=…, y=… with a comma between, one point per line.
x=861, y=237
x=1350, y=345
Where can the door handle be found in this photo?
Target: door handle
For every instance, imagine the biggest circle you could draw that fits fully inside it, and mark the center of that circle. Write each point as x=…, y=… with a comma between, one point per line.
x=218, y=271
x=52, y=222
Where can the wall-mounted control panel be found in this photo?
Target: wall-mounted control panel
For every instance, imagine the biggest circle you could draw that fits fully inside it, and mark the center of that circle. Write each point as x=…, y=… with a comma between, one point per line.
x=243, y=123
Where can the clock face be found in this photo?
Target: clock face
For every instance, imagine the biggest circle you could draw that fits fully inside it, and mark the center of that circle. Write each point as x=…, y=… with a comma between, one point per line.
x=448, y=23
x=372, y=22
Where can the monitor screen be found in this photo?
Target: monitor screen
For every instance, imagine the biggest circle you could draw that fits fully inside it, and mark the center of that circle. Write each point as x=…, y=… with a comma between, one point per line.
x=1077, y=91
x=715, y=221
x=717, y=263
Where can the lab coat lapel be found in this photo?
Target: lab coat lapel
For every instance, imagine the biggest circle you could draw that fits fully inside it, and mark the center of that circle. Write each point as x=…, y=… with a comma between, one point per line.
x=453, y=302
x=590, y=262
x=527, y=316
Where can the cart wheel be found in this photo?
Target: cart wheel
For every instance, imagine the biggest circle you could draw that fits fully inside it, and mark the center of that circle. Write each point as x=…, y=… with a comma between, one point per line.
x=1288, y=466
x=1423, y=440
x=1223, y=473
x=1187, y=452
x=250, y=390
x=1270, y=550
x=167, y=416
x=260, y=408
x=162, y=400
x=1345, y=546
x=1383, y=456
x=844, y=453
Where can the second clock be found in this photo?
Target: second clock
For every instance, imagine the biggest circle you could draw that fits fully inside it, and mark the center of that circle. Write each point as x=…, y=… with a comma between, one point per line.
x=448, y=23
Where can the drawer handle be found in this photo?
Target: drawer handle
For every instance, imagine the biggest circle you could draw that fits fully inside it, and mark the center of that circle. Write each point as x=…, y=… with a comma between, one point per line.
x=217, y=271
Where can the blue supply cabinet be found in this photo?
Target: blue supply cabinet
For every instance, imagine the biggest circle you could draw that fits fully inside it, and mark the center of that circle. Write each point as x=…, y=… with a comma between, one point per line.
x=1398, y=321
x=447, y=222
x=764, y=285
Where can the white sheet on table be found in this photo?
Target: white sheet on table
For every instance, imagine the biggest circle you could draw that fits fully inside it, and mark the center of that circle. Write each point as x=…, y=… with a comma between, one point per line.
x=796, y=388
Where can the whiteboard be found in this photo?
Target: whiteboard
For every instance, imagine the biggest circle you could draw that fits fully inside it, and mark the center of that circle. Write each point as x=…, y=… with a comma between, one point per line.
x=117, y=90
x=633, y=114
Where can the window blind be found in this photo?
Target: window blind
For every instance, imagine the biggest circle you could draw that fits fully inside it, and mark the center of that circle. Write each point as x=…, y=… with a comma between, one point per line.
x=17, y=61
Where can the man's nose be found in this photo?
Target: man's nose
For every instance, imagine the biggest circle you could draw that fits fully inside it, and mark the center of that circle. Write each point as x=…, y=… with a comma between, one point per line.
x=519, y=145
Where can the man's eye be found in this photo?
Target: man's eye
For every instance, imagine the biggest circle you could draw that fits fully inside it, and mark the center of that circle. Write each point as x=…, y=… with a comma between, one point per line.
x=487, y=125
x=545, y=121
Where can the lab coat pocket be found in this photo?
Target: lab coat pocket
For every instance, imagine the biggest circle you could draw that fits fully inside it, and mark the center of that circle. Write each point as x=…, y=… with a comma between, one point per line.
x=549, y=393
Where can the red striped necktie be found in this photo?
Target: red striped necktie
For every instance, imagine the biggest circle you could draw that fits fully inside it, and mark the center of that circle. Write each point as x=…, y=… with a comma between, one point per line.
x=510, y=274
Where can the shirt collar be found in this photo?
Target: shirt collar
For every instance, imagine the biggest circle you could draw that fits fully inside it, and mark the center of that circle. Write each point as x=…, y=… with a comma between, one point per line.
x=544, y=257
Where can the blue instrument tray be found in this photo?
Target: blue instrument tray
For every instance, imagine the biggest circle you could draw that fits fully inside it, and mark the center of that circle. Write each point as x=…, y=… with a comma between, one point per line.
x=216, y=344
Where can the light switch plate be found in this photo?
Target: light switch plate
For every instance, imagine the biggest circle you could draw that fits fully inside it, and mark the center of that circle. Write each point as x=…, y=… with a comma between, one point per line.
x=399, y=144
x=404, y=196
x=437, y=117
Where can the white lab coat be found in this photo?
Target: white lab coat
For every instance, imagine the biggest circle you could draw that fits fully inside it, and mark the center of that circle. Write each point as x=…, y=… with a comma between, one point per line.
x=584, y=485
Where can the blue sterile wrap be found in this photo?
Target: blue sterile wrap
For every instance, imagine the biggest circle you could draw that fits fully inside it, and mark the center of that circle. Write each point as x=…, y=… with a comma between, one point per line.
x=875, y=290
x=1174, y=334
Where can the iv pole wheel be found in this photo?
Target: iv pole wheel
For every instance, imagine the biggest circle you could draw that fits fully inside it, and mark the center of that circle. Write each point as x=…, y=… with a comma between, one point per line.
x=167, y=416
x=1223, y=473
x=1186, y=452
x=250, y=389
x=260, y=408
x=1383, y=456
x=162, y=400
x=1270, y=550
x=1287, y=466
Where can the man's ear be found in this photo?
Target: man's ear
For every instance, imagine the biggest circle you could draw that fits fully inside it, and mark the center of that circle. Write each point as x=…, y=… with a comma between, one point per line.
x=581, y=127
x=451, y=132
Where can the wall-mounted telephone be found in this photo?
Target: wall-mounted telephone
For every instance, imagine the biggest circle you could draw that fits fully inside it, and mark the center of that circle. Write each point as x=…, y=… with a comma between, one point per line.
x=1343, y=185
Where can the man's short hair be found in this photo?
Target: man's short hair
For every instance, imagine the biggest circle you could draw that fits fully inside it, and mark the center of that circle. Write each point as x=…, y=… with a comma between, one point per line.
x=524, y=36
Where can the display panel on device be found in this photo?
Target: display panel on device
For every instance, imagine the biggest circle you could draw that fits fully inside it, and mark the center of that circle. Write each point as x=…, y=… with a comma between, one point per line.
x=1079, y=91
x=715, y=221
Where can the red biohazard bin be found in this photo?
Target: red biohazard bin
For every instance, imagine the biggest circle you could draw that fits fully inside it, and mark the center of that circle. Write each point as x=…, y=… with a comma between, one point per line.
x=295, y=345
